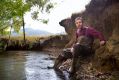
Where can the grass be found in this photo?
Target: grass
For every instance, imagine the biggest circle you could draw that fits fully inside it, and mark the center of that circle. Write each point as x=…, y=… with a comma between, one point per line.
x=32, y=42
x=29, y=38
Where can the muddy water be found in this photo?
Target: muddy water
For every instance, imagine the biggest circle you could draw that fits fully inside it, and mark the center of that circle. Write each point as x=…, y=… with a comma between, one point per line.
x=26, y=65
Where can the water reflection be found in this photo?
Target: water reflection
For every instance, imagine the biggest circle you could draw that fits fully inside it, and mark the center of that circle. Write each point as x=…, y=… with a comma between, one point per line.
x=26, y=65
x=12, y=66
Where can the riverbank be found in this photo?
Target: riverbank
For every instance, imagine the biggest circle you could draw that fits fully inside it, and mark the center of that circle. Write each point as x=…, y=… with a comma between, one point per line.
x=33, y=42
x=86, y=70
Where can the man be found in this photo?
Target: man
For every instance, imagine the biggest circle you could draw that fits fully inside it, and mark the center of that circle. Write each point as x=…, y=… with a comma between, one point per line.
x=83, y=46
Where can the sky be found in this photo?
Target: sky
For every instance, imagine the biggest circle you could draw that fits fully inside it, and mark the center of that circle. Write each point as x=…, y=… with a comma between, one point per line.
x=62, y=10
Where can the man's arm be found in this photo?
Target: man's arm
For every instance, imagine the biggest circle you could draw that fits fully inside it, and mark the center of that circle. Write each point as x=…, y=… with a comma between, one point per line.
x=97, y=34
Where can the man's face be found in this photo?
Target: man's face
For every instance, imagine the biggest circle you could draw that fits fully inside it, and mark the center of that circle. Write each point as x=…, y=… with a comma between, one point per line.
x=78, y=23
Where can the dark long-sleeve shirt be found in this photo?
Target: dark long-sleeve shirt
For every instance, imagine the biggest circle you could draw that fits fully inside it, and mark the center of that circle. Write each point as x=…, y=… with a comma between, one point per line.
x=90, y=33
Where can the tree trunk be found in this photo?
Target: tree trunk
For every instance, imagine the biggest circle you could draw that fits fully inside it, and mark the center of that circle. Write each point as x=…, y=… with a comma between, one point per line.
x=24, y=30
x=10, y=32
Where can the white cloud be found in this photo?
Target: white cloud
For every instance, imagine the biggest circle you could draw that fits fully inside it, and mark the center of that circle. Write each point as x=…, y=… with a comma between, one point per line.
x=63, y=10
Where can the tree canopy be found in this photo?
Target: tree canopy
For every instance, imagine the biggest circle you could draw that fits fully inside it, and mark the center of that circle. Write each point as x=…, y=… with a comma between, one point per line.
x=12, y=11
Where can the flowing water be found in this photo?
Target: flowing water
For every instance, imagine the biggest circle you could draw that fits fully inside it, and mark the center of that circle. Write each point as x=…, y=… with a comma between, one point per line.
x=26, y=65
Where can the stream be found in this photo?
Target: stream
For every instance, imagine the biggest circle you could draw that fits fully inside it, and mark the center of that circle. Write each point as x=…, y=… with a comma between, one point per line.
x=27, y=65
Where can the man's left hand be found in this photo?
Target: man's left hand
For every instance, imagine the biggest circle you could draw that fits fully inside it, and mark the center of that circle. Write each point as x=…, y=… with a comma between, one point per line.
x=102, y=43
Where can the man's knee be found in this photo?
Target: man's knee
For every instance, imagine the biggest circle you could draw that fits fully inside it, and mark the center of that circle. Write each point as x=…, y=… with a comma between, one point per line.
x=77, y=50
x=67, y=54
x=77, y=45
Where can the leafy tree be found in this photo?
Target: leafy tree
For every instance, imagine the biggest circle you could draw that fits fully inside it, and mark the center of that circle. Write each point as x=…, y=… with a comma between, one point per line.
x=16, y=9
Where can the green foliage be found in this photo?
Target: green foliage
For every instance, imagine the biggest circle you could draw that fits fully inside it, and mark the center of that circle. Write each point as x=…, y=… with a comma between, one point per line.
x=35, y=15
x=17, y=23
x=39, y=3
x=44, y=21
x=43, y=6
x=4, y=32
x=12, y=9
x=49, y=6
x=15, y=10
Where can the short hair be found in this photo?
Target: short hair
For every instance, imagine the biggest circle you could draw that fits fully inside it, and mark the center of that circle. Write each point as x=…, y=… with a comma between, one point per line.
x=78, y=18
